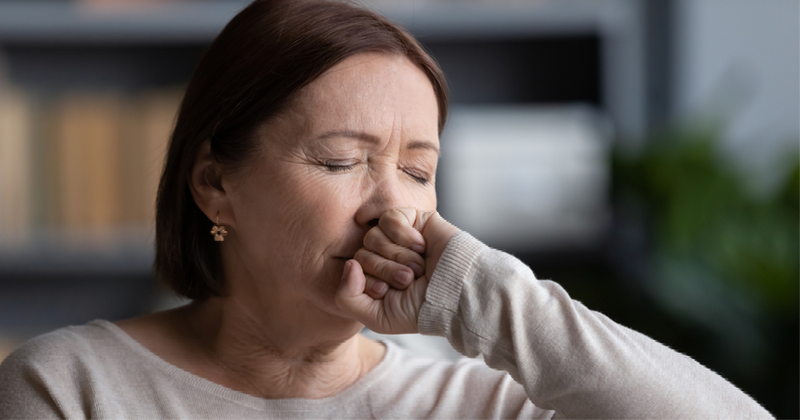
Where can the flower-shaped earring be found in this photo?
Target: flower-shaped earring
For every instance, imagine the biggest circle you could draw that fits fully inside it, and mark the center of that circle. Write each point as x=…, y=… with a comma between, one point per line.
x=219, y=231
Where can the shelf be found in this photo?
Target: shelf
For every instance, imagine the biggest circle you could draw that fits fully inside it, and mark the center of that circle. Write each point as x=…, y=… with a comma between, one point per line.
x=616, y=23
x=53, y=46
x=504, y=19
x=68, y=23
x=57, y=252
x=59, y=22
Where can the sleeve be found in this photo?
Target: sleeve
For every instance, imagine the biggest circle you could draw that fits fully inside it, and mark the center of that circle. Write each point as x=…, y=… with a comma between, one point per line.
x=568, y=358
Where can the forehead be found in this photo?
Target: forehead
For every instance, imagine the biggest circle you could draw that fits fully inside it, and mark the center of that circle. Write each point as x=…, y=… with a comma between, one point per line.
x=371, y=92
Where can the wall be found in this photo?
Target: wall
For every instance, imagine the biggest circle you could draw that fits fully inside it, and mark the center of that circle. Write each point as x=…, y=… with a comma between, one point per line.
x=738, y=61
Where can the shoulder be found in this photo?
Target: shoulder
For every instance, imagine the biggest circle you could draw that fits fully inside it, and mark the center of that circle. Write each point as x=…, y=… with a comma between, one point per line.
x=62, y=354
x=34, y=375
x=56, y=349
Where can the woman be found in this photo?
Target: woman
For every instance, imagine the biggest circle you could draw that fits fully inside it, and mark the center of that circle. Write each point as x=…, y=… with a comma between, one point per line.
x=307, y=146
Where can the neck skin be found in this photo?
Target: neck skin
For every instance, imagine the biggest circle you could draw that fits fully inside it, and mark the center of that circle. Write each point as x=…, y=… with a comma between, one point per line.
x=268, y=357
x=220, y=341
x=269, y=353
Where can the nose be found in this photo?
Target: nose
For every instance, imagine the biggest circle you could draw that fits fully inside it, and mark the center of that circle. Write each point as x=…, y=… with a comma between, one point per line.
x=386, y=194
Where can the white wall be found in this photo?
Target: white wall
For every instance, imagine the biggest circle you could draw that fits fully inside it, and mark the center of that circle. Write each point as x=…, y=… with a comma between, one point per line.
x=739, y=60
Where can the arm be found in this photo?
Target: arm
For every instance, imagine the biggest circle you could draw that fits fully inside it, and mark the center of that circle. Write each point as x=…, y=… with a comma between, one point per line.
x=568, y=358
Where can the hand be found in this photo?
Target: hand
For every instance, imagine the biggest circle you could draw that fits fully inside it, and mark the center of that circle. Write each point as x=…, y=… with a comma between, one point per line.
x=378, y=286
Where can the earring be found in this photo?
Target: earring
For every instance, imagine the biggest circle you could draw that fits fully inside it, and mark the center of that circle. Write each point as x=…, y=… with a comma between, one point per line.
x=219, y=231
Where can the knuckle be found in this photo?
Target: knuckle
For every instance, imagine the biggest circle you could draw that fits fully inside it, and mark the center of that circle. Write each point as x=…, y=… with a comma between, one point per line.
x=412, y=257
x=385, y=269
x=361, y=255
x=397, y=254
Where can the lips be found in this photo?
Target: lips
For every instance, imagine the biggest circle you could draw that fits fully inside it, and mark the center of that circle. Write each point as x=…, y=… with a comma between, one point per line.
x=348, y=254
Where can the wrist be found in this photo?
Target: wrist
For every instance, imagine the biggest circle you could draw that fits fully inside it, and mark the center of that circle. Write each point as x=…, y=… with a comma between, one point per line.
x=437, y=233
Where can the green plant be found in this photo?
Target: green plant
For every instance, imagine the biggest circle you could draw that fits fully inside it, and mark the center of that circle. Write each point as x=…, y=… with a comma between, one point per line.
x=704, y=216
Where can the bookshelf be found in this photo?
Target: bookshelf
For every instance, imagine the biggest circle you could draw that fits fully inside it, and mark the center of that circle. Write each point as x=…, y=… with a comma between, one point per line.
x=64, y=22
x=120, y=70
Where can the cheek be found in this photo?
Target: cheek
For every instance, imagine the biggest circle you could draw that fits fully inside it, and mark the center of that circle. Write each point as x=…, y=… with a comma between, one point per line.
x=292, y=228
x=330, y=197
x=423, y=198
x=265, y=206
x=318, y=212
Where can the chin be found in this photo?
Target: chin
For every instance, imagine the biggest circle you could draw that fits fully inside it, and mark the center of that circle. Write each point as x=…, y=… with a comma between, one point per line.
x=339, y=327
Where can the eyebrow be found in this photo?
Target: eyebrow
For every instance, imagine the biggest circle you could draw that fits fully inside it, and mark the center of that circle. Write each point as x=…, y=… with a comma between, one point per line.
x=422, y=144
x=369, y=138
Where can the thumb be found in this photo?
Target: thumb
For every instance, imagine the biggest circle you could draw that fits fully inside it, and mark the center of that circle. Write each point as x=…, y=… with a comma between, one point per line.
x=350, y=297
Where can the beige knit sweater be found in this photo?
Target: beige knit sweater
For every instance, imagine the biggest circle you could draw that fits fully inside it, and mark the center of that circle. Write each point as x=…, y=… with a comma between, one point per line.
x=570, y=362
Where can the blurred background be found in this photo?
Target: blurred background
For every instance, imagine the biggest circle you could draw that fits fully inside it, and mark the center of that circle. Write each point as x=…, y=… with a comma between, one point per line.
x=644, y=154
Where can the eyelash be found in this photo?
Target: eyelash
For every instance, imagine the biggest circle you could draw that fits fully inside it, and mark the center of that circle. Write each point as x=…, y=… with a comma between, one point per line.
x=339, y=167
x=419, y=179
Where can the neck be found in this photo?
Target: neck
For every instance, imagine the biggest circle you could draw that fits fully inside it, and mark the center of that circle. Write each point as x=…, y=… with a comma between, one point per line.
x=270, y=357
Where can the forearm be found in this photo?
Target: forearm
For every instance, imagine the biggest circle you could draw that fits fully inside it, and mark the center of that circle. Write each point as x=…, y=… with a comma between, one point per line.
x=568, y=358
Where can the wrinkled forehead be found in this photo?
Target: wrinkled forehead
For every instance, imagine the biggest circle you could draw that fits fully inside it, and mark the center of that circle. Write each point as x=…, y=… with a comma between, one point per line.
x=370, y=91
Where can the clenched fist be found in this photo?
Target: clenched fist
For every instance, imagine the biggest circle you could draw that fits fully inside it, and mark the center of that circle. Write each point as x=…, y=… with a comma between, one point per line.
x=384, y=286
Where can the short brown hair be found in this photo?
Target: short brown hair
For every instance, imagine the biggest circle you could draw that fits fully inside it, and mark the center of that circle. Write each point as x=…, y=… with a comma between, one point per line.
x=267, y=52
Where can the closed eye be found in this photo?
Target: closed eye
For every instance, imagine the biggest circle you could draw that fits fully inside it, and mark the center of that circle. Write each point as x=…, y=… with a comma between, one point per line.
x=337, y=166
x=421, y=179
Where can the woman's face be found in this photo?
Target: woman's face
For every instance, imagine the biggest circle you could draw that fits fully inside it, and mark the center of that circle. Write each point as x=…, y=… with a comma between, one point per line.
x=359, y=140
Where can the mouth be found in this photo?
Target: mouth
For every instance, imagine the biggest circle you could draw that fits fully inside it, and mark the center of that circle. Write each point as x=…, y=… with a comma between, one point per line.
x=347, y=254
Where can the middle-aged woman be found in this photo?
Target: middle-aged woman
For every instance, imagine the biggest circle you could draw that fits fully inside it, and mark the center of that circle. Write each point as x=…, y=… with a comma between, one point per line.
x=297, y=205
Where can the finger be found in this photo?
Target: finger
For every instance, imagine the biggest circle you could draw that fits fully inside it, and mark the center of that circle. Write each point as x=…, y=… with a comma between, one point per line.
x=398, y=225
x=350, y=297
x=374, y=287
x=377, y=242
x=400, y=309
x=385, y=270
x=396, y=313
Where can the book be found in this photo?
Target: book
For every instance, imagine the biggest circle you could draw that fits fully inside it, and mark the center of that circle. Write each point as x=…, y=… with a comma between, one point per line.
x=159, y=116
x=87, y=140
x=83, y=164
x=147, y=129
x=15, y=166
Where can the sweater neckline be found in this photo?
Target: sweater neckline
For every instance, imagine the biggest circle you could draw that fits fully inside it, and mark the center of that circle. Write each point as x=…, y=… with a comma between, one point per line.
x=356, y=391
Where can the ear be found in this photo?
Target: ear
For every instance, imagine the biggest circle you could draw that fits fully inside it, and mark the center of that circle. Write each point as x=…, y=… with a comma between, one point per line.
x=206, y=186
